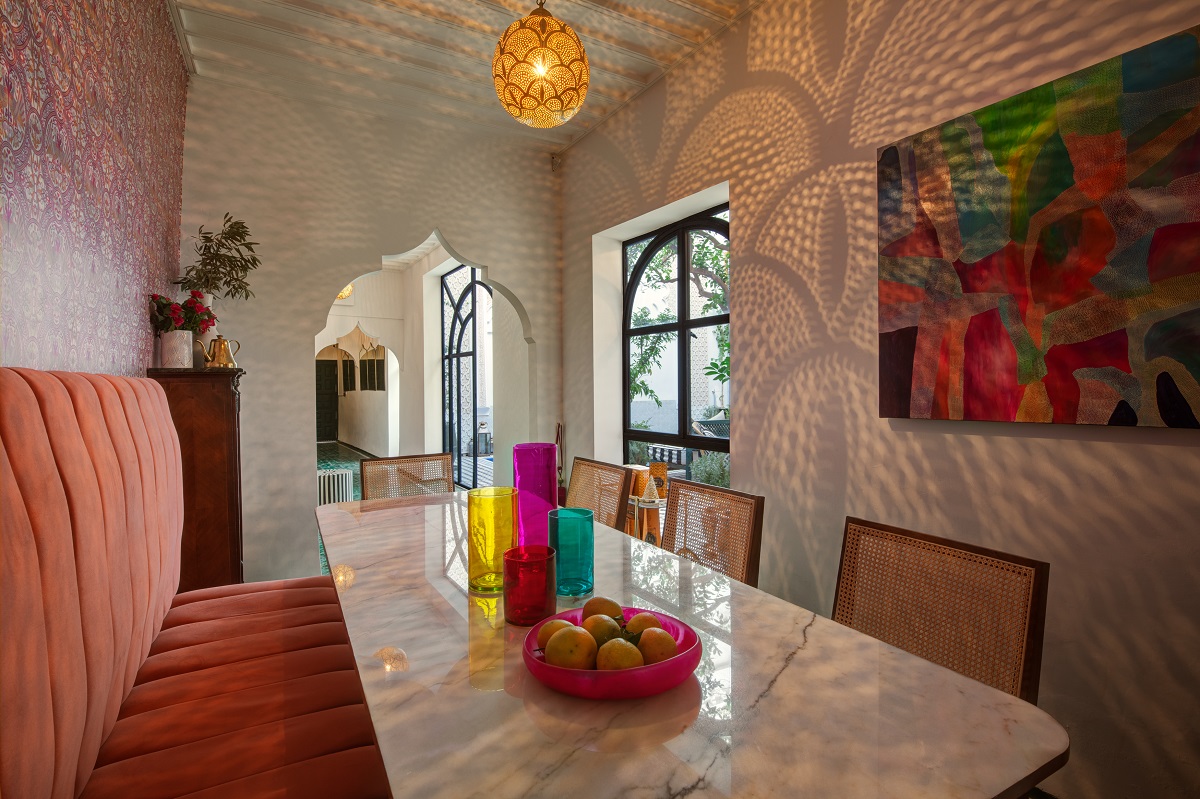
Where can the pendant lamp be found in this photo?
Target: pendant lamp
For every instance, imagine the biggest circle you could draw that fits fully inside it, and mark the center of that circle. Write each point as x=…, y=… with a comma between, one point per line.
x=540, y=70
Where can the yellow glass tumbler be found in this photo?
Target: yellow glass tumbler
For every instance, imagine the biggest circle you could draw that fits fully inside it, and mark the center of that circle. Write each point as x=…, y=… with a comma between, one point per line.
x=491, y=531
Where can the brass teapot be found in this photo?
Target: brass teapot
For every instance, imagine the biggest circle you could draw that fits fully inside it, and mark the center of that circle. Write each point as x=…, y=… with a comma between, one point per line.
x=218, y=356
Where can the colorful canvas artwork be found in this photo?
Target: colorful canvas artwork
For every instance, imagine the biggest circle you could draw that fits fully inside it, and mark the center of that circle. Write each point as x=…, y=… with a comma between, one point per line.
x=1039, y=259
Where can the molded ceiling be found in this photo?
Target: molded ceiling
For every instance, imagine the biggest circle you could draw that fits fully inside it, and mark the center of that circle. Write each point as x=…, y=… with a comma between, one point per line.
x=424, y=59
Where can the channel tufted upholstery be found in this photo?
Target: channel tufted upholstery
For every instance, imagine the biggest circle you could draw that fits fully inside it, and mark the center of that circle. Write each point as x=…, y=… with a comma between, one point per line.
x=111, y=685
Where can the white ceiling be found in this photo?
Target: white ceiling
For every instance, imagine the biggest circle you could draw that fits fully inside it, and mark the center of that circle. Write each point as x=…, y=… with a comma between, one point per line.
x=427, y=58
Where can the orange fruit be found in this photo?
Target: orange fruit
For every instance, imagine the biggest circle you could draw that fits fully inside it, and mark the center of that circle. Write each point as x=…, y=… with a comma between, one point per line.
x=572, y=648
x=602, y=606
x=549, y=629
x=618, y=654
x=602, y=628
x=657, y=645
x=642, y=621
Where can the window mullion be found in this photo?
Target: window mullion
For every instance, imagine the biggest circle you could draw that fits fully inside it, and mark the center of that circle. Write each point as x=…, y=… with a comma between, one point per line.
x=684, y=347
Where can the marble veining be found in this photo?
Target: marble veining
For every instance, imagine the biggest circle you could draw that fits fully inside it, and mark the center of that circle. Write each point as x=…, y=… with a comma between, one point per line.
x=784, y=703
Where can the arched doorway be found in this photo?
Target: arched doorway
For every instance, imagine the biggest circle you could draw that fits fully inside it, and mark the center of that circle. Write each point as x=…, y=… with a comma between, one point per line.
x=467, y=358
x=331, y=363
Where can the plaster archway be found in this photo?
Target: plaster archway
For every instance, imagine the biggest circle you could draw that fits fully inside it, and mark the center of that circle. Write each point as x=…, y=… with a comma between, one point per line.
x=416, y=343
x=514, y=302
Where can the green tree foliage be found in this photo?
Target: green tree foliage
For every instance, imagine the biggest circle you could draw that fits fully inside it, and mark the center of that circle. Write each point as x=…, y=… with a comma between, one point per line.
x=645, y=353
x=710, y=271
x=712, y=468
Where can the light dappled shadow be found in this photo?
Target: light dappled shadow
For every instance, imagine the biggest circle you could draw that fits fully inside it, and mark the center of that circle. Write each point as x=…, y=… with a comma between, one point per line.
x=790, y=107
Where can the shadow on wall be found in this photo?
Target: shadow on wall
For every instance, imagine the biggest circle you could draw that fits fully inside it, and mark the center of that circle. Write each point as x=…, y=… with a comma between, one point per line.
x=790, y=107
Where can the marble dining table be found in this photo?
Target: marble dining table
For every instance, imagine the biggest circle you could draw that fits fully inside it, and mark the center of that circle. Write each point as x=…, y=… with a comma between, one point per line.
x=784, y=703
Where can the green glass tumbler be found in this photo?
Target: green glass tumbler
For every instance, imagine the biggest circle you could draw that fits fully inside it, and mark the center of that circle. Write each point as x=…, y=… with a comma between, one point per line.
x=572, y=538
x=491, y=529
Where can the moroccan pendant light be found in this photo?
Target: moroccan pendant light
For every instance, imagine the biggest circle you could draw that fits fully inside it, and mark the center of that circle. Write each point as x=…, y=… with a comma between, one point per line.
x=540, y=70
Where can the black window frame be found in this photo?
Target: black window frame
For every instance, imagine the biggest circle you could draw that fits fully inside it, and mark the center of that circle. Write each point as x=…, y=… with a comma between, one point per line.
x=682, y=327
x=464, y=318
x=348, y=374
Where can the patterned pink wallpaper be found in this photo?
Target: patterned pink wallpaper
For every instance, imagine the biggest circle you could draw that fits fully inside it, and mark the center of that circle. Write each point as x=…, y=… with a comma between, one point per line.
x=92, y=106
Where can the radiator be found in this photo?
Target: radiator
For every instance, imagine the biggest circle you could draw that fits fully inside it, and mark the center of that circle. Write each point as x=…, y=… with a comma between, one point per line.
x=335, y=485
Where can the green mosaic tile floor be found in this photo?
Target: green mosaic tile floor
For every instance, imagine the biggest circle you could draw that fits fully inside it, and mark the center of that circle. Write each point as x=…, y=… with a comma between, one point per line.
x=336, y=455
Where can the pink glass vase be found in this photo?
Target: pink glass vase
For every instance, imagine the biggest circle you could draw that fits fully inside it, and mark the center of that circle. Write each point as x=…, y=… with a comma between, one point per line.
x=535, y=469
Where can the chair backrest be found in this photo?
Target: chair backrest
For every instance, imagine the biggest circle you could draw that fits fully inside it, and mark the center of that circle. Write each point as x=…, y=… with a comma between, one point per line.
x=973, y=610
x=91, y=516
x=602, y=487
x=406, y=476
x=715, y=527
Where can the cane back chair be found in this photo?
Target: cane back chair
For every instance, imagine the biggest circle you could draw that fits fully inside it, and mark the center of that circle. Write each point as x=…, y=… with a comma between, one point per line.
x=406, y=476
x=603, y=488
x=976, y=611
x=715, y=527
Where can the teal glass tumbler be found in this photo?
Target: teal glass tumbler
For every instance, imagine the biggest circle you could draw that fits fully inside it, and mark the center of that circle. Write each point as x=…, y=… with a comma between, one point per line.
x=572, y=537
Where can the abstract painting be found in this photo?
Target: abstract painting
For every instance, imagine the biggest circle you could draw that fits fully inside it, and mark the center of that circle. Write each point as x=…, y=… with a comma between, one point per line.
x=1039, y=259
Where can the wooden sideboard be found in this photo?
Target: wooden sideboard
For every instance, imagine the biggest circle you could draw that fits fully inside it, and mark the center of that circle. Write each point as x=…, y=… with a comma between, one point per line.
x=205, y=405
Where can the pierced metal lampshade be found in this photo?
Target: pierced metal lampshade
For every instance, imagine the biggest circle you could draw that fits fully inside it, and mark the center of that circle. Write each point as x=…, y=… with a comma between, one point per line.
x=540, y=70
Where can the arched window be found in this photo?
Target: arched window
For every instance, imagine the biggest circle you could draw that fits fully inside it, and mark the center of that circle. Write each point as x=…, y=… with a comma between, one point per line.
x=466, y=375
x=676, y=347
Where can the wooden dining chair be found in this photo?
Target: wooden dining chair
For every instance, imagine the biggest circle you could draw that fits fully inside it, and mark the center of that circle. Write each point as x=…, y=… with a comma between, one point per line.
x=406, y=476
x=715, y=527
x=976, y=611
x=603, y=488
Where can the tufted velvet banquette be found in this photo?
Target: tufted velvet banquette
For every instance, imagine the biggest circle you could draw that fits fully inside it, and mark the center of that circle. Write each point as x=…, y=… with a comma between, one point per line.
x=113, y=685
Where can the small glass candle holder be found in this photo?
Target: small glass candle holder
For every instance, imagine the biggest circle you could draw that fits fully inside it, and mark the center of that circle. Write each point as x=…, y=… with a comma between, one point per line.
x=530, y=585
x=572, y=537
x=491, y=529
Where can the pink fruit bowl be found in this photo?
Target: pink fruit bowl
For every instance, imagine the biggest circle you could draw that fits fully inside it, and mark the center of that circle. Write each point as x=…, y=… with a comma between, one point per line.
x=622, y=684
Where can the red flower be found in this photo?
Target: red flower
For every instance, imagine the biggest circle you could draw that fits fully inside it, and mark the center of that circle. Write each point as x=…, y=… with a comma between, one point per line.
x=154, y=296
x=199, y=295
x=176, y=308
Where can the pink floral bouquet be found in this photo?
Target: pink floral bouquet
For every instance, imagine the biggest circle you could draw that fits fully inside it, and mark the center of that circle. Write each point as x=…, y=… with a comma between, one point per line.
x=167, y=315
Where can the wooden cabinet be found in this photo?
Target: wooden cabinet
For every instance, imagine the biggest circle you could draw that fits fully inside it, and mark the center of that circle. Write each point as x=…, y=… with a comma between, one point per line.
x=205, y=404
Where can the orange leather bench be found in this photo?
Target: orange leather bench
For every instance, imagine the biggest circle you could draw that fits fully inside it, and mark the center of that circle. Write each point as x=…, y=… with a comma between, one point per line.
x=111, y=683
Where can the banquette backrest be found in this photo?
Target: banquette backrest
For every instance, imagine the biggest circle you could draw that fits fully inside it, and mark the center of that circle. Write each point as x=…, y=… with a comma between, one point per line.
x=91, y=504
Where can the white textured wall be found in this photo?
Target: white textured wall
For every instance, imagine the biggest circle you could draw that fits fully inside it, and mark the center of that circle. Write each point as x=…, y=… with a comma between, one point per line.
x=790, y=107
x=328, y=194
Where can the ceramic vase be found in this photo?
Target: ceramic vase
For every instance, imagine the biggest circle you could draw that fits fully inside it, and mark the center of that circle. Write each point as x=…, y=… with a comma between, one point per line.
x=177, y=349
x=207, y=337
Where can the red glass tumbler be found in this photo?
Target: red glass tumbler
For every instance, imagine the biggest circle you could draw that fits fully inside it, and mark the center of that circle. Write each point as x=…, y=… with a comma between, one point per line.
x=530, y=585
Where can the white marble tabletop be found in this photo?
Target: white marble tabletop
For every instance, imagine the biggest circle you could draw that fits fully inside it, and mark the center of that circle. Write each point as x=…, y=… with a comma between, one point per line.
x=784, y=703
